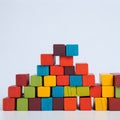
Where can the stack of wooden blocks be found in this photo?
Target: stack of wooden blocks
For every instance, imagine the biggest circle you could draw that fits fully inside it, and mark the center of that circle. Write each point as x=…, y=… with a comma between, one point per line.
x=63, y=86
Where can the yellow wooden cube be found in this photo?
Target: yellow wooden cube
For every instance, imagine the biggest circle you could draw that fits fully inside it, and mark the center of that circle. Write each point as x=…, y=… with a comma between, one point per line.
x=50, y=80
x=107, y=91
x=43, y=91
x=106, y=79
x=100, y=104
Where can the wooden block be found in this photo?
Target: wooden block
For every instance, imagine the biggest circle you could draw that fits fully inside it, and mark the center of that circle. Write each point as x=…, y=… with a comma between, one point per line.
x=63, y=80
x=58, y=103
x=88, y=80
x=29, y=92
x=59, y=50
x=43, y=91
x=69, y=91
x=58, y=91
x=34, y=104
x=14, y=91
x=106, y=79
x=49, y=81
x=36, y=81
x=70, y=104
x=56, y=70
x=107, y=91
x=100, y=104
x=114, y=104
x=47, y=59
x=22, y=104
x=96, y=91
x=71, y=50
x=42, y=70
x=83, y=91
x=46, y=104
x=66, y=60
x=75, y=80
x=69, y=70
x=117, y=92
x=116, y=79
x=22, y=79
x=82, y=69
x=85, y=103
x=8, y=104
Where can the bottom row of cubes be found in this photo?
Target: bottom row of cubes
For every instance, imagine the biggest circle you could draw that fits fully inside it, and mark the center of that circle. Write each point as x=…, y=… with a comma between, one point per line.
x=47, y=104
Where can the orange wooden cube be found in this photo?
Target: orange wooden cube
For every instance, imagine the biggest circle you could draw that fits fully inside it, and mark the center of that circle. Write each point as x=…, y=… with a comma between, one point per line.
x=88, y=80
x=63, y=80
x=70, y=103
x=82, y=69
x=56, y=70
x=14, y=91
x=8, y=104
x=66, y=60
x=47, y=59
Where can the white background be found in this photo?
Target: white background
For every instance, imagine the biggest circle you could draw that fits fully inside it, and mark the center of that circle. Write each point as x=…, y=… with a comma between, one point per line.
x=31, y=27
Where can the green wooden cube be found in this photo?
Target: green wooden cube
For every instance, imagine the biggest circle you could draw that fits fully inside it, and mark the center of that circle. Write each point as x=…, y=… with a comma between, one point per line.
x=117, y=92
x=83, y=91
x=36, y=80
x=29, y=92
x=22, y=104
x=69, y=91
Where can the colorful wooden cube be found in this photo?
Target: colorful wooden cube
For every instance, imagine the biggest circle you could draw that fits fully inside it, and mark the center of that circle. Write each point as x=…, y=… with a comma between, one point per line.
x=107, y=91
x=29, y=92
x=96, y=91
x=106, y=79
x=88, y=80
x=49, y=81
x=70, y=104
x=9, y=104
x=56, y=70
x=114, y=104
x=70, y=91
x=58, y=91
x=101, y=104
x=85, y=103
x=14, y=91
x=116, y=79
x=69, y=70
x=47, y=59
x=58, y=103
x=82, y=69
x=83, y=91
x=34, y=104
x=46, y=104
x=59, y=50
x=71, y=50
x=22, y=79
x=75, y=80
x=66, y=60
x=43, y=91
x=22, y=104
x=36, y=80
x=42, y=70
x=117, y=92
x=63, y=80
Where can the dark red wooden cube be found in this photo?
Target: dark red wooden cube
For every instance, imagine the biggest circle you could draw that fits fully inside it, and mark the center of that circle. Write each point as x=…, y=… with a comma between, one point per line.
x=116, y=79
x=69, y=70
x=58, y=104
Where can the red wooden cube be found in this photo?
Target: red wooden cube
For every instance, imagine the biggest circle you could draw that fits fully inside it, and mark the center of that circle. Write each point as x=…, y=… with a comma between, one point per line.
x=14, y=91
x=66, y=60
x=116, y=79
x=22, y=79
x=8, y=104
x=56, y=70
x=63, y=80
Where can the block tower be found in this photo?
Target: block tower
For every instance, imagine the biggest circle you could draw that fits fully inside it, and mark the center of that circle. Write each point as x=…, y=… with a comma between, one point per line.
x=57, y=86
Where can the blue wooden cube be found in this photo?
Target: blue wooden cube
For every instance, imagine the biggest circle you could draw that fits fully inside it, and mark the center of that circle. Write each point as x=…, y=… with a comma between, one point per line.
x=71, y=50
x=75, y=80
x=46, y=104
x=58, y=91
x=42, y=70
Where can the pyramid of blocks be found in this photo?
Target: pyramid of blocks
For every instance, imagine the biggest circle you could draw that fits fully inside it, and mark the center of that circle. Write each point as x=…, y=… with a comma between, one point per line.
x=63, y=86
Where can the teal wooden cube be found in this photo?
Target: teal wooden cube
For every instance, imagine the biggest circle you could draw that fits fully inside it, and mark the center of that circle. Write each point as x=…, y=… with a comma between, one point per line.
x=29, y=92
x=36, y=80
